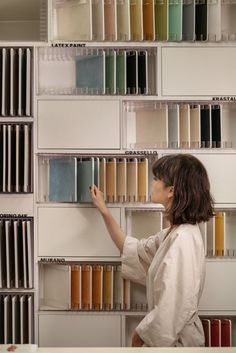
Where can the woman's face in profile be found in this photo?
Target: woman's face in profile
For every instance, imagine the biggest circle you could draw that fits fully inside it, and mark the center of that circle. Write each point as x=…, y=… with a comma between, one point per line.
x=160, y=192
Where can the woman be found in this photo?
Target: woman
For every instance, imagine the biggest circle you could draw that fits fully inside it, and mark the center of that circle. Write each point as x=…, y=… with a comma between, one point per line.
x=170, y=263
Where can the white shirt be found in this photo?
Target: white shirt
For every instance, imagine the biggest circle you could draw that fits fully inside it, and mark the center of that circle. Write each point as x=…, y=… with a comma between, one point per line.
x=173, y=271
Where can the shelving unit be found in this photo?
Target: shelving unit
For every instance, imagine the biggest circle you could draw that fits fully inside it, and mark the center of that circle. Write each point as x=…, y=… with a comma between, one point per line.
x=17, y=265
x=110, y=86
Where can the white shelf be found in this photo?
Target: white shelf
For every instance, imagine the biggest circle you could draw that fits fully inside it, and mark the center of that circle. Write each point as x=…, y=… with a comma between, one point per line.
x=125, y=152
x=17, y=291
x=45, y=310
x=127, y=205
x=141, y=44
x=222, y=259
x=15, y=119
x=47, y=260
x=217, y=313
x=22, y=44
x=195, y=99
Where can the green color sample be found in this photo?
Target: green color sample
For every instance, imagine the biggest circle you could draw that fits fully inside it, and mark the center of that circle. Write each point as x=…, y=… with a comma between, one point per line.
x=161, y=20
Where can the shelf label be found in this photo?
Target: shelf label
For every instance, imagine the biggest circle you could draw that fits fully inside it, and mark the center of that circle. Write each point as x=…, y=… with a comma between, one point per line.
x=13, y=215
x=141, y=152
x=52, y=260
x=225, y=99
x=69, y=45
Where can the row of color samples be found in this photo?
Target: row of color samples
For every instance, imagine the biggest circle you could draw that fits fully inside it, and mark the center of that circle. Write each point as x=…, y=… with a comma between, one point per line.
x=16, y=253
x=218, y=237
x=97, y=71
x=113, y=72
x=99, y=287
x=16, y=319
x=88, y=286
x=153, y=125
x=15, y=158
x=217, y=233
x=138, y=20
x=15, y=86
x=120, y=179
x=218, y=332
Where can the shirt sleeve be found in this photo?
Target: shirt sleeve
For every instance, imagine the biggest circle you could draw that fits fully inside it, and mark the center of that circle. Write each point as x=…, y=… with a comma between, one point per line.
x=176, y=289
x=137, y=256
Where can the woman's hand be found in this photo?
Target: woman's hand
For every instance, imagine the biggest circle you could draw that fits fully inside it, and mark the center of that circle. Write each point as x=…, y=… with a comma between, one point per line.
x=98, y=199
x=137, y=340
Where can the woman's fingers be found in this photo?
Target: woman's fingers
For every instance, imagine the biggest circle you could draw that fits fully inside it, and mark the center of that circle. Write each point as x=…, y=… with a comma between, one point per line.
x=93, y=190
x=92, y=187
x=97, y=195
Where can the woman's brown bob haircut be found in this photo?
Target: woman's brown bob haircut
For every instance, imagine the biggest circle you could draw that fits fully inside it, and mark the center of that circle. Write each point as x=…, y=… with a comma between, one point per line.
x=192, y=201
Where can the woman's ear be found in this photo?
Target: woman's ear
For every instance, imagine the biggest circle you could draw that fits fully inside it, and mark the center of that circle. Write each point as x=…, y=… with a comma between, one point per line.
x=171, y=191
